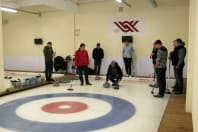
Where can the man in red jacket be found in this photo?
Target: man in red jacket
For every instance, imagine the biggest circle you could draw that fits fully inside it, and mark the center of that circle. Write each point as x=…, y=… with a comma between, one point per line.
x=82, y=62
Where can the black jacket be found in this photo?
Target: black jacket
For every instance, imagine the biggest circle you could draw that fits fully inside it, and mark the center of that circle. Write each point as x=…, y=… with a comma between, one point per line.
x=178, y=57
x=110, y=72
x=98, y=54
x=48, y=53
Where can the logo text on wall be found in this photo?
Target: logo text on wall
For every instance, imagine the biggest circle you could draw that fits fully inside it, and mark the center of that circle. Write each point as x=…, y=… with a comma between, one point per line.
x=128, y=26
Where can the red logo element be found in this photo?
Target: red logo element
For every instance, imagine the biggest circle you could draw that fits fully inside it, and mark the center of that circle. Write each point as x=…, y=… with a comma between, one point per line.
x=127, y=26
x=66, y=107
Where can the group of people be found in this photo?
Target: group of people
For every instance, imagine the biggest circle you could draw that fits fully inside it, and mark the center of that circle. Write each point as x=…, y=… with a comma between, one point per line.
x=177, y=56
x=114, y=73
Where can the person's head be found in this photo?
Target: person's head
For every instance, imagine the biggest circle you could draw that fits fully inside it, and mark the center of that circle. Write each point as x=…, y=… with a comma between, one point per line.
x=98, y=45
x=113, y=64
x=82, y=46
x=49, y=44
x=154, y=46
x=126, y=43
x=174, y=43
x=179, y=42
x=158, y=44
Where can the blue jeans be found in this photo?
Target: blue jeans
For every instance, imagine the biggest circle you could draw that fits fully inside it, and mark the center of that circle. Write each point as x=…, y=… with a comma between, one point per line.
x=179, y=78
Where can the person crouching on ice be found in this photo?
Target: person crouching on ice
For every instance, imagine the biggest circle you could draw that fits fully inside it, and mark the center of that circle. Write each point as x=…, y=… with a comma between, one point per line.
x=114, y=74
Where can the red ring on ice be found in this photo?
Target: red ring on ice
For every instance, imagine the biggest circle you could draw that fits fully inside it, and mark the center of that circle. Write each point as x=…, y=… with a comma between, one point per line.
x=65, y=107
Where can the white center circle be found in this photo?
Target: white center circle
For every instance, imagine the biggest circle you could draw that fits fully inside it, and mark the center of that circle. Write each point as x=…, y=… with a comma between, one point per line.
x=64, y=107
x=33, y=110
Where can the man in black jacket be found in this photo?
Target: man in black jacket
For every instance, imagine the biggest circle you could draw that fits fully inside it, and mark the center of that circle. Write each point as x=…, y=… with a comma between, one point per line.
x=98, y=55
x=48, y=54
x=114, y=74
x=178, y=61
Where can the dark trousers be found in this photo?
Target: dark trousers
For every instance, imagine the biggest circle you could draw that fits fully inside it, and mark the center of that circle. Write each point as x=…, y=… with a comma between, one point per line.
x=83, y=70
x=179, y=78
x=97, y=65
x=127, y=63
x=114, y=78
x=161, y=80
x=48, y=70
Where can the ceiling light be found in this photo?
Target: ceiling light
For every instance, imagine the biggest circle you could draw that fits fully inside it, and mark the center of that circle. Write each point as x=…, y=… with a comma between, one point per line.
x=8, y=9
x=120, y=1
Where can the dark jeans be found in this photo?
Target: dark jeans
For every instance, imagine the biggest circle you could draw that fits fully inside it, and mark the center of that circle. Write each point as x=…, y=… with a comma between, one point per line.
x=179, y=78
x=114, y=78
x=161, y=80
x=83, y=70
x=127, y=62
x=97, y=65
x=48, y=70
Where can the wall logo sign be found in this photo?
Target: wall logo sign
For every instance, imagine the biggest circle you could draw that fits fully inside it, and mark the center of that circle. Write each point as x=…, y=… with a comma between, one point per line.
x=127, y=26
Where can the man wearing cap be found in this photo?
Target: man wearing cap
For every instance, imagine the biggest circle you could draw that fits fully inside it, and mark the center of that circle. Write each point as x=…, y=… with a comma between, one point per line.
x=48, y=54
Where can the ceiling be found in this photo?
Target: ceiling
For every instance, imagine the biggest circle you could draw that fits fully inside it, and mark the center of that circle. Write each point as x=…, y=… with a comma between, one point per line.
x=40, y=5
x=51, y=5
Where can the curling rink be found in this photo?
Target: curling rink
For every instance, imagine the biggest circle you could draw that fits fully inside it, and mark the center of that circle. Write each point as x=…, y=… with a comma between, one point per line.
x=86, y=108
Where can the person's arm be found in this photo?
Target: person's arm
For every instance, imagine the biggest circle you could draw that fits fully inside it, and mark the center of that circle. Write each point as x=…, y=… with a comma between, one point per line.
x=76, y=59
x=87, y=55
x=108, y=74
x=102, y=53
x=93, y=54
x=132, y=49
x=170, y=55
x=123, y=51
x=120, y=73
x=181, y=56
x=159, y=56
x=45, y=51
x=53, y=53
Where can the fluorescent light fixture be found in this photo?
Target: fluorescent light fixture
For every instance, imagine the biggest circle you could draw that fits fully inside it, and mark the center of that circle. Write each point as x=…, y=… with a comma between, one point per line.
x=120, y=1
x=8, y=9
